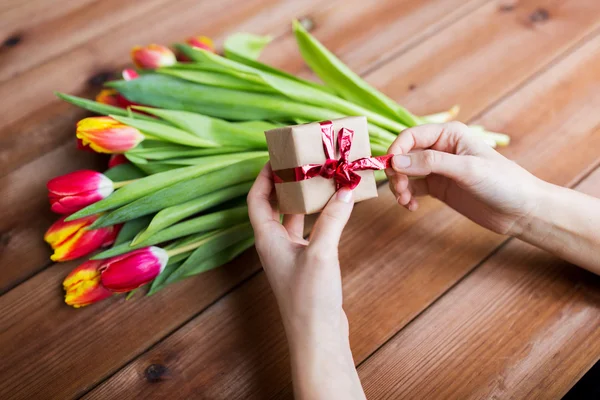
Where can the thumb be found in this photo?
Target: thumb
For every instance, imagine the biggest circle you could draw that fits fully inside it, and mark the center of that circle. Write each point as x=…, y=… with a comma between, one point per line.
x=427, y=162
x=328, y=228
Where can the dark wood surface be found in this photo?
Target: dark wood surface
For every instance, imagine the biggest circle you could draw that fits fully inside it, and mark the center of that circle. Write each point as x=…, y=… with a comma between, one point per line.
x=438, y=307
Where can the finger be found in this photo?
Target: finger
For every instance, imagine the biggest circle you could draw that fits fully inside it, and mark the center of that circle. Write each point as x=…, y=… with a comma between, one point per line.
x=330, y=224
x=294, y=224
x=442, y=137
x=419, y=187
x=428, y=162
x=404, y=197
x=413, y=205
x=398, y=183
x=260, y=208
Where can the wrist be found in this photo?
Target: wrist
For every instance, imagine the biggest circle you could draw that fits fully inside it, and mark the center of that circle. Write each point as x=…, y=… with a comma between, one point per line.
x=323, y=367
x=535, y=222
x=535, y=196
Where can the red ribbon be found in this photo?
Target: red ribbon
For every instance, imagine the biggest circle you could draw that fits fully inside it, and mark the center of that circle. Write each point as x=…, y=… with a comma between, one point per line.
x=341, y=171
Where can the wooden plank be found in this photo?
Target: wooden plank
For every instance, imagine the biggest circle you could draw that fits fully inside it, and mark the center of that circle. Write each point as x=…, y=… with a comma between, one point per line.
x=43, y=41
x=19, y=16
x=136, y=342
x=514, y=42
x=387, y=282
x=53, y=125
x=523, y=325
x=68, y=331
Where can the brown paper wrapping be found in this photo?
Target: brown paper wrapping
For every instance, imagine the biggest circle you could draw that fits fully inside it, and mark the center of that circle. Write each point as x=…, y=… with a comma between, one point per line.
x=293, y=146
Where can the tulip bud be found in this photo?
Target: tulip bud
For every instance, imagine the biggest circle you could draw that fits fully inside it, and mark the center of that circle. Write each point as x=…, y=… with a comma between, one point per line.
x=152, y=56
x=201, y=42
x=72, y=192
x=108, y=96
x=129, y=271
x=117, y=159
x=74, y=239
x=129, y=74
x=106, y=135
x=83, y=285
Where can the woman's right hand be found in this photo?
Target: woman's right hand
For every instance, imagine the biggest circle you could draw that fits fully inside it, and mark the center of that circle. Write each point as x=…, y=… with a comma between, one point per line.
x=459, y=168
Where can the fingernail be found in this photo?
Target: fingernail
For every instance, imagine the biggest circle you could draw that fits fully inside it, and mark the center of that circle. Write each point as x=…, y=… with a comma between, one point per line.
x=344, y=195
x=401, y=161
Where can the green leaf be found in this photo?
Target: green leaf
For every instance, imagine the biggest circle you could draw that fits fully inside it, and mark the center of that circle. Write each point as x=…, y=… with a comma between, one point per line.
x=130, y=229
x=214, y=78
x=205, y=223
x=154, y=183
x=176, y=94
x=301, y=92
x=232, y=54
x=216, y=130
x=344, y=81
x=209, y=247
x=99, y=108
x=246, y=45
x=216, y=220
x=124, y=172
x=221, y=258
x=166, y=132
x=184, y=191
x=166, y=154
x=171, y=215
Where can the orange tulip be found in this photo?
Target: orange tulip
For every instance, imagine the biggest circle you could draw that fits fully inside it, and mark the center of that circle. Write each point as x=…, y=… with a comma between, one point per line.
x=106, y=135
x=152, y=56
x=201, y=42
x=74, y=239
x=83, y=285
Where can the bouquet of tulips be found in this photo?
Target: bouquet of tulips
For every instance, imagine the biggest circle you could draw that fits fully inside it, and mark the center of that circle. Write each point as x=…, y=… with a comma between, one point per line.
x=185, y=134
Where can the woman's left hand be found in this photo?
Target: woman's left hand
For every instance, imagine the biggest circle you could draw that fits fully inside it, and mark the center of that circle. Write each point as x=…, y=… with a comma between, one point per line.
x=306, y=280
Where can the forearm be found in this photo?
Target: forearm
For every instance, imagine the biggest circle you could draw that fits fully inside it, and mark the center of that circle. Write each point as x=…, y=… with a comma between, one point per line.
x=323, y=367
x=567, y=224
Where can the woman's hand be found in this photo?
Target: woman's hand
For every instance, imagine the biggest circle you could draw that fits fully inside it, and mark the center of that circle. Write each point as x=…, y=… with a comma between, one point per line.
x=306, y=280
x=464, y=172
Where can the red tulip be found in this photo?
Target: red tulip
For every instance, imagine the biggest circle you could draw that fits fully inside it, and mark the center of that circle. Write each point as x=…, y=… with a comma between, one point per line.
x=152, y=56
x=74, y=239
x=114, y=98
x=129, y=74
x=117, y=159
x=198, y=42
x=129, y=271
x=107, y=135
x=72, y=192
x=83, y=285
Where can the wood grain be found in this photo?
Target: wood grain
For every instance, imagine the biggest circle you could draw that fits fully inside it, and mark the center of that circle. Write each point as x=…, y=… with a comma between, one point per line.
x=69, y=331
x=387, y=282
x=19, y=16
x=487, y=55
x=47, y=40
x=50, y=350
x=523, y=325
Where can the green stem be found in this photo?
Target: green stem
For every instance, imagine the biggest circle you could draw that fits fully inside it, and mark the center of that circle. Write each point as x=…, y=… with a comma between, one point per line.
x=117, y=185
x=186, y=248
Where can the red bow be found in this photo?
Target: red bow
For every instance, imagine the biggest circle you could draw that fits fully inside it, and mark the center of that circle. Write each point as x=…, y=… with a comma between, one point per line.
x=342, y=170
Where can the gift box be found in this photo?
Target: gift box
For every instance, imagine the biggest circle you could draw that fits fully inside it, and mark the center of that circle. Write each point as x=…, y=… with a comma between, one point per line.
x=310, y=162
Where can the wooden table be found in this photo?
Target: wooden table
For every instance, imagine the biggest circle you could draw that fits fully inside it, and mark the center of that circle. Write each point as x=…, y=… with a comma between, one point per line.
x=438, y=307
